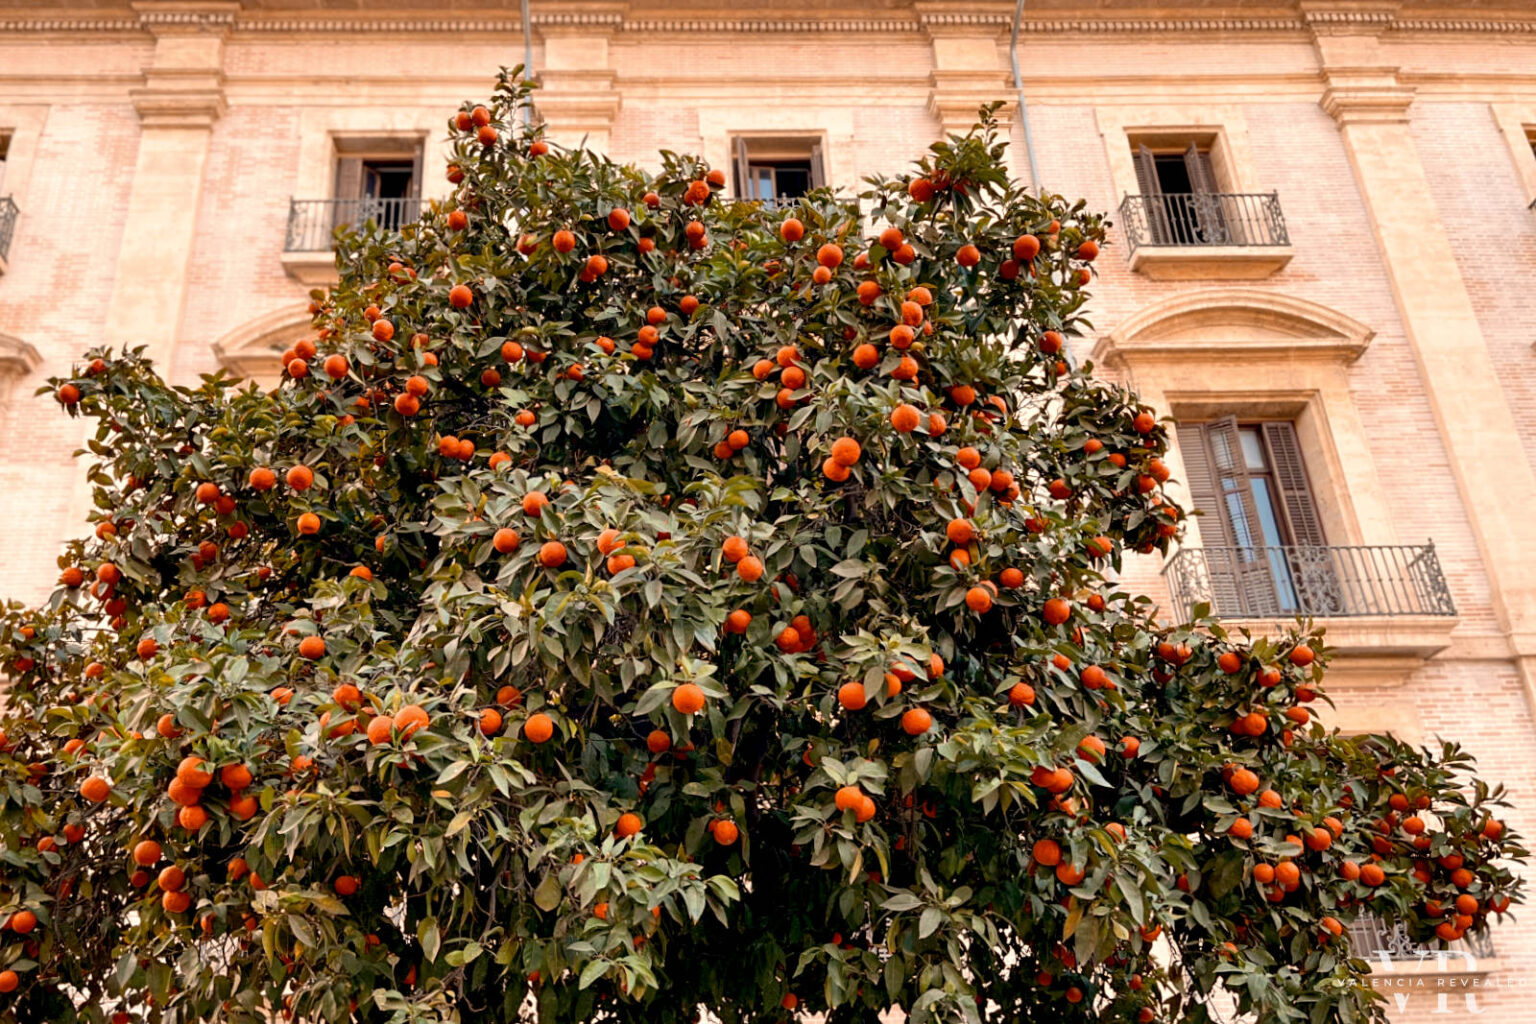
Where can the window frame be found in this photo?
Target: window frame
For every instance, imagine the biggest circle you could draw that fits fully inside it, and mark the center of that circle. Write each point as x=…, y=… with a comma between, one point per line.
x=751, y=150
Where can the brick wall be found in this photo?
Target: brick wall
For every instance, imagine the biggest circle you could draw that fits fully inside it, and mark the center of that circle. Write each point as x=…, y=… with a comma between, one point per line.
x=63, y=261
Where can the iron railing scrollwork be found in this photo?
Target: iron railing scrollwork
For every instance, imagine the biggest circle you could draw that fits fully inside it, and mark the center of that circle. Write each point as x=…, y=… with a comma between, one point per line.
x=1203, y=218
x=312, y=222
x=1372, y=938
x=1310, y=581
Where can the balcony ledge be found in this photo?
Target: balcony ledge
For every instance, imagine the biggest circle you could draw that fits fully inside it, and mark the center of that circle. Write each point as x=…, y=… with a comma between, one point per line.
x=1195, y=262
x=312, y=268
x=1371, y=650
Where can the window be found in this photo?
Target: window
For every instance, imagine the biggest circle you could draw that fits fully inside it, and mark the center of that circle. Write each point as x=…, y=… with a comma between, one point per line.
x=1183, y=200
x=774, y=170
x=1264, y=546
x=377, y=179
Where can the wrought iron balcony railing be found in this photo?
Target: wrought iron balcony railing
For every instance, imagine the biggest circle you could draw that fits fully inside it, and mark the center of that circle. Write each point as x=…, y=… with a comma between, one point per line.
x=1371, y=938
x=1203, y=218
x=8, y=213
x=311, y=222
x=1312, y=582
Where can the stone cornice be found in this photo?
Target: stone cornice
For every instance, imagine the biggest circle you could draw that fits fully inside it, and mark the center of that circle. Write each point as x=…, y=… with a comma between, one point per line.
x=1321, y=19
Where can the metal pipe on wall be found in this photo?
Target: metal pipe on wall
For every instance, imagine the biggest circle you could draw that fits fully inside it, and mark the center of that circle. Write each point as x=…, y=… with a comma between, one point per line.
x=1018, y=84
x=527, y=27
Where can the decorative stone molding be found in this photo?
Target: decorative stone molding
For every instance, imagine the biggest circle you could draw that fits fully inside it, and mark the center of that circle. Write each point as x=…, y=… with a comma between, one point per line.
x=1207, y=353
x=17, y=358
x=184, y=83
x=251, y=350
x=1317, y=20
x=1234, y=324
x=1366, y=95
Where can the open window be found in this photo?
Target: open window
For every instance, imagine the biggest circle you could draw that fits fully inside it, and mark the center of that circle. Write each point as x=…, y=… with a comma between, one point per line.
x=1264, y=547
x=377, y=179
x=777, y=170
x=1181, y=189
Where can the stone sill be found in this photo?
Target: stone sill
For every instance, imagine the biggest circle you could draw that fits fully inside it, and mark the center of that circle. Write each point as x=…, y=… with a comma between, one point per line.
x=1372, y=650
x=313, y=268
x=1191, y=262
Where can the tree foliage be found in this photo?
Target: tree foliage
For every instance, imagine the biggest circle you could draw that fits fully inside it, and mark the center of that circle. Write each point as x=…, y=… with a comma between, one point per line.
x=634, y=601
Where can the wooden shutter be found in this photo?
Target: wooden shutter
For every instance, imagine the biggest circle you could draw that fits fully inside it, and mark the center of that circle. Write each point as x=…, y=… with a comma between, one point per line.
x=1201, y=480
x=1325, y=581
x=1205, y=494
x=1300, y=508
x=1146, y=171
x=349, y=177
x=1248, y=564
x=743, y=170
x=1153, y=204
x=1197, y=164
x=414, y=191
x=818, y=169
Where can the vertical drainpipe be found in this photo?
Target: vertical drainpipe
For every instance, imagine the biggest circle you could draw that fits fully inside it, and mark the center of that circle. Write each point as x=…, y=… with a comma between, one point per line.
x=528, y=58
x=1018, y=84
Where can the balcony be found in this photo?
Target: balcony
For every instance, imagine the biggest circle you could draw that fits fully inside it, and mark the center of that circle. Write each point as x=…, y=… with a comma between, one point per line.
x=1182, y=236
x=8, y=214
x=312, y=224
x=1388, y=607
x=1389, y=951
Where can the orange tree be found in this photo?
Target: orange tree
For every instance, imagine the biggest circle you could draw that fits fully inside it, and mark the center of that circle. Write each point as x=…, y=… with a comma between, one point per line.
x=633, y=603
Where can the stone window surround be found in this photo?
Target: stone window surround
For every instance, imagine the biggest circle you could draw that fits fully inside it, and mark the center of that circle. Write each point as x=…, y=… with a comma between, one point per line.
x=1208, y=353
x=251, y=350
x=320, y=128
x=833, y=128
x=1259, y=352
x=1517, y=123
x=1224, y=123
x=23, y=123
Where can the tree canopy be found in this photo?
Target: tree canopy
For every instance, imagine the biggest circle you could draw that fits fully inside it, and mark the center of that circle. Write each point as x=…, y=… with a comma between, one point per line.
x=636, y=604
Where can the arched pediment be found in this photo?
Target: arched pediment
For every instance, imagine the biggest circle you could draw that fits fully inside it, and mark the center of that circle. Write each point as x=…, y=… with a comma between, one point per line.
x=17, y=357
x=251, y=350
x=1234, y=323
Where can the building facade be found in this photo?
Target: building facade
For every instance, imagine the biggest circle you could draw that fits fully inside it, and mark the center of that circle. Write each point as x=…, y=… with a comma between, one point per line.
x=1324, y=263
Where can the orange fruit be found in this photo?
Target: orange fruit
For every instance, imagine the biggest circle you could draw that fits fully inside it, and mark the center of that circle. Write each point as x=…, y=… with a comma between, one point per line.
x=750, y=569
x=411, y=719
x=688, y=699
x=312, y=648
x=95, y=789
x=505, y=541
x=916, y=722
x=552, y=554
x=904, y=418
x=724, y=831
x=851, y=696
x=629, y=824
x=146, y=853
x=538, y=728
x=379, y=728
x=490, y=721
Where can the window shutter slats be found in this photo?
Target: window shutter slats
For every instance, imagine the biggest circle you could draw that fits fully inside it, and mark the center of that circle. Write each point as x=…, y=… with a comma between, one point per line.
x=1306, y=526
x=349, y=177
x=414, y=191
x=1205, y=495
x=1248, y=563
x=1201, y=480
x=1319, y=581
x=1146, y=171
x=743, y=172
x=818, y=169
x=1198, y=165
